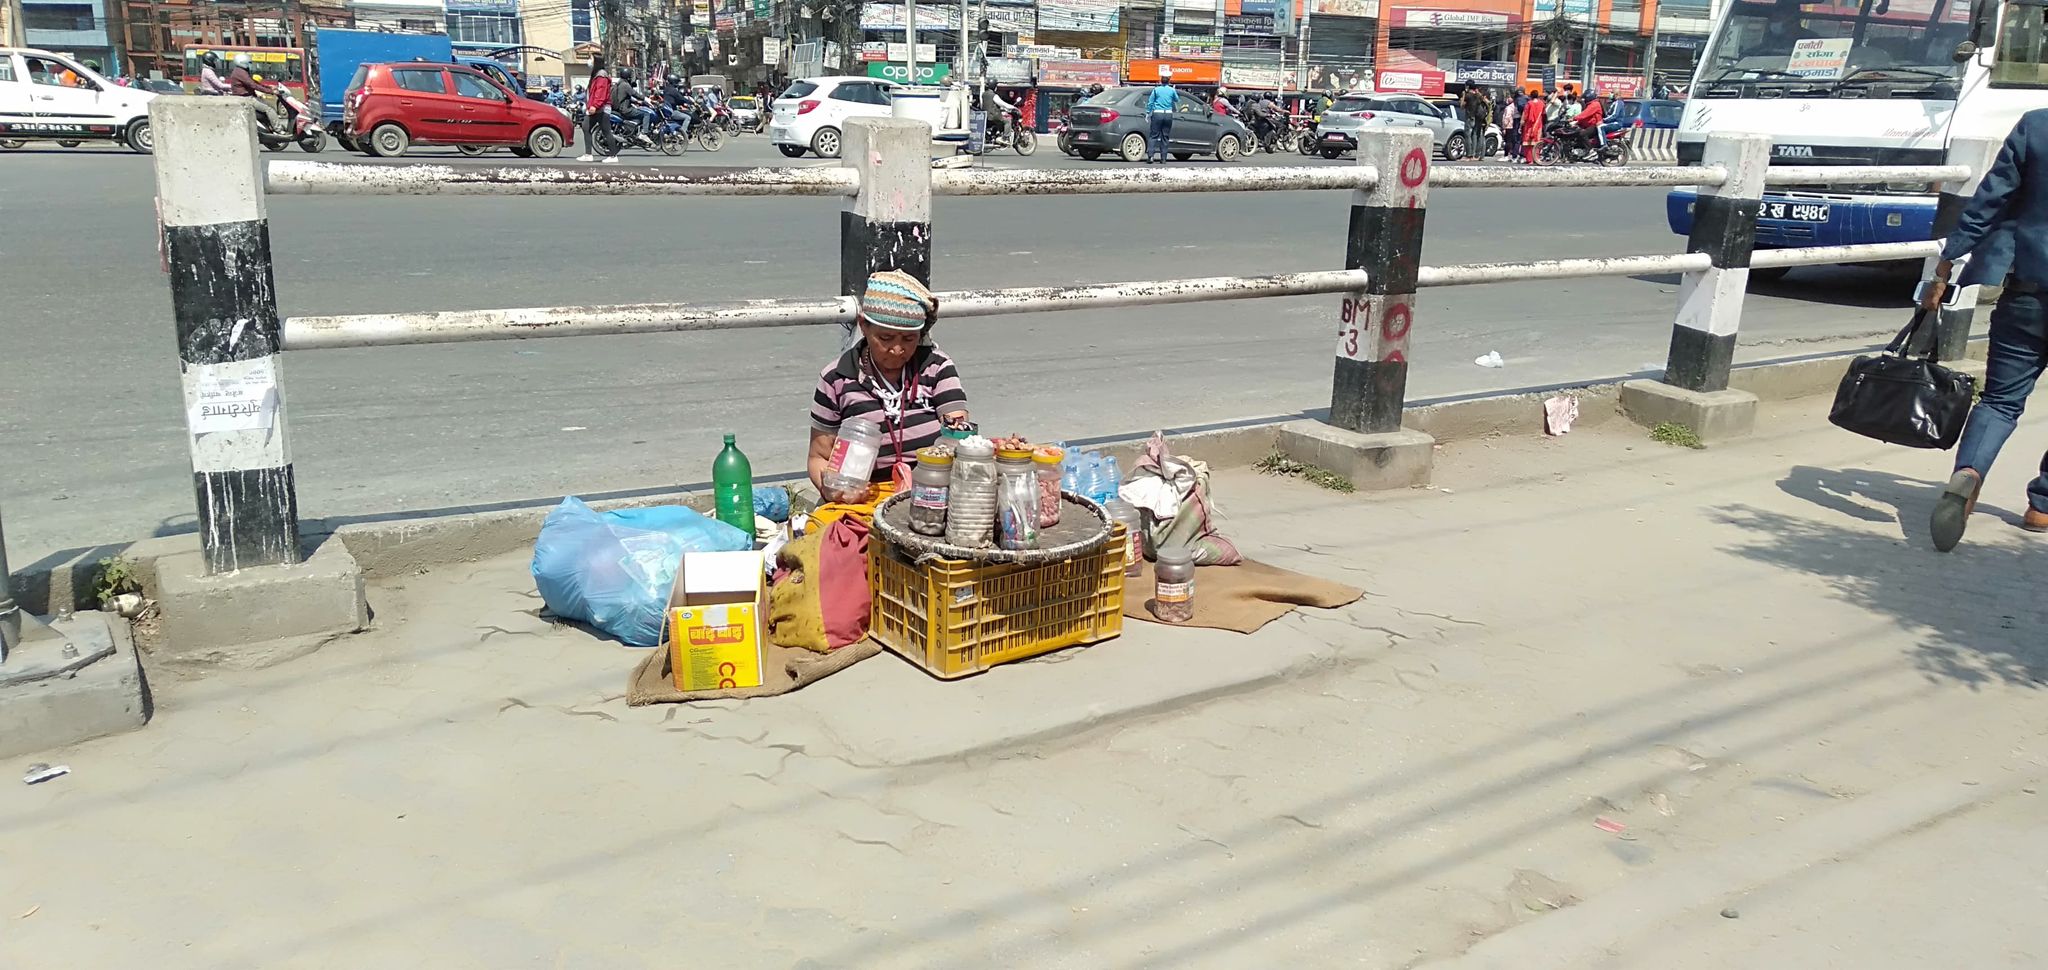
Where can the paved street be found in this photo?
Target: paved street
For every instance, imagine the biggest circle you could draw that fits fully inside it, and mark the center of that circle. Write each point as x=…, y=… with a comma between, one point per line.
x=1599, y=689
x=95, y=448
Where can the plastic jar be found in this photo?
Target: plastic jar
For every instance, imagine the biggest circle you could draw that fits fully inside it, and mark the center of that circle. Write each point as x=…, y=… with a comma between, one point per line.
x=1046, y=461
x=1173, y=594
x=929, y=483
x=852, y=464
x=1016, y=499
x=971, y=497
x=1134, y=533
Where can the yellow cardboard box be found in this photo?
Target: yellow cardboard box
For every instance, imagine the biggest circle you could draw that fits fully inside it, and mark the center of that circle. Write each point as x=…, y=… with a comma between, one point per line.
x=715, y=614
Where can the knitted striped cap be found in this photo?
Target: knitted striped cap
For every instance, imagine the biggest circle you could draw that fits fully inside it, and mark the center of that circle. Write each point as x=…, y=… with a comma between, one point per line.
x=895, y=300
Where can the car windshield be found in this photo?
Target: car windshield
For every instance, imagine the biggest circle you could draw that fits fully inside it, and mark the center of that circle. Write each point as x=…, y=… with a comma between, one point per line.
x=1351, y=104
x=798, y=89
x=742, y=102
x=1784, y=42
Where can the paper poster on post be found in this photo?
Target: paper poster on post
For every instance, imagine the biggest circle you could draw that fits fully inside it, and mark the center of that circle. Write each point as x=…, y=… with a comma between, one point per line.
x=232, y=397
x=1820, y=57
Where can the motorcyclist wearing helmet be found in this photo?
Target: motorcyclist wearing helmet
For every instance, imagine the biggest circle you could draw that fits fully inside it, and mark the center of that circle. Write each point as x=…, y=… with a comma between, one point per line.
x=210, y=71
x=630, y=104
x=242, y=83
x=677, y=97
x=999, y=110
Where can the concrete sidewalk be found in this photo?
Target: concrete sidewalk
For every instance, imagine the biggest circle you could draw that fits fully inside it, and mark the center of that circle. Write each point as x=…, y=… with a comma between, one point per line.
x=1748, y=651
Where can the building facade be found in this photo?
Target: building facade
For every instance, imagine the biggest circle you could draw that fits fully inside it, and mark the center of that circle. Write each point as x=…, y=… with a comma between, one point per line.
x=75, y=27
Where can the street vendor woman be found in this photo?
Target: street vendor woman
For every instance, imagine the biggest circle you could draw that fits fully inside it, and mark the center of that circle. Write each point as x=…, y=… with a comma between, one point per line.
x=892, y=376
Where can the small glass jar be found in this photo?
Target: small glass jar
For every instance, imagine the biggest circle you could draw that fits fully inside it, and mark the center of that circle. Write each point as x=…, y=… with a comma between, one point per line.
x=1173, y=594
x=929, y=483
x=1016, y=499
x=1134, y=534
x=1046, y=461
x=971, y=498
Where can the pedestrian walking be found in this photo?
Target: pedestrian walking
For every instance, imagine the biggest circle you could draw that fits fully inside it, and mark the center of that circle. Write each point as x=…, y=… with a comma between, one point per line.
x=595, y=98
x=1511, y=124
x=1476, y=109
x=1532, y=128
x=2010, y=205
x=1159, y=117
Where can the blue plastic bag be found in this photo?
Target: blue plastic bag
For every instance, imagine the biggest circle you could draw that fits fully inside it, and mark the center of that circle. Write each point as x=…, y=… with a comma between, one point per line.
x=614, y=570
x=771, y=502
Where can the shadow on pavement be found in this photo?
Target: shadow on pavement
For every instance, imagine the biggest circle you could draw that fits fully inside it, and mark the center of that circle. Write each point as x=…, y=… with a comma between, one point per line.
x=1979, y=610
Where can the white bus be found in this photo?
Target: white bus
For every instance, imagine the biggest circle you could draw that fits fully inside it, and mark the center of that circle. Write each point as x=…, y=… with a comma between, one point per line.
x=1861, y=82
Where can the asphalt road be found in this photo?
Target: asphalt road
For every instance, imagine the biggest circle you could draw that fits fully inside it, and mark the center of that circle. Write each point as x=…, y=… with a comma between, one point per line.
x=92, y=446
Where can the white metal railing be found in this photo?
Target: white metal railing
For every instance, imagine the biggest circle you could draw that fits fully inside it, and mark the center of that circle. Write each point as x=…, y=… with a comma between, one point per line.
x=374, y=178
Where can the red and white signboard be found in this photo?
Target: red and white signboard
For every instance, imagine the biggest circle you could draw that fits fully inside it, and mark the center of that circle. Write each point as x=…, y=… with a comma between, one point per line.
x=1618, y=85
x=1429, y=84
x=1405, y=17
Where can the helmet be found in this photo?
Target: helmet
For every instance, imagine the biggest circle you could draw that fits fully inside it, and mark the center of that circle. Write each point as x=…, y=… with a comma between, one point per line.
x=243, y=61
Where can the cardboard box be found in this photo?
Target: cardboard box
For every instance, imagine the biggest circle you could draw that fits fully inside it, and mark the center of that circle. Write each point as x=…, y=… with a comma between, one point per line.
x=715, y=617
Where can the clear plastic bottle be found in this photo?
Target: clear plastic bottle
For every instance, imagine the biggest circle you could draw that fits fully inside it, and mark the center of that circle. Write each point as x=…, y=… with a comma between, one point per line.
x=929, y=483
x=1134, y=533
x=1016, y=500
x=971, y=497
x=1109, y=480
x=852, y=464
x=1173, y=595
x=1046, y=463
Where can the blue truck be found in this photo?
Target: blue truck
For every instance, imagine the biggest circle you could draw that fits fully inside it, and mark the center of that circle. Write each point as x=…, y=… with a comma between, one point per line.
x=338, y=52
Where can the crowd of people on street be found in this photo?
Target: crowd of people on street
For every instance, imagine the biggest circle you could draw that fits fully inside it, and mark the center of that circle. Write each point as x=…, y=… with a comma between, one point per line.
x=615, y=109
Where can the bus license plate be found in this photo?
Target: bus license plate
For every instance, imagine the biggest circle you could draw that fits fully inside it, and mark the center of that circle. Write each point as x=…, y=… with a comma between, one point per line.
x=1796, y=211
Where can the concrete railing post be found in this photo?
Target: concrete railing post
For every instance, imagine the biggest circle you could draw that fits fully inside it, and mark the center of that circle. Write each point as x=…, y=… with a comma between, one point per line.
x=1385, y=240
x=1694, y=392
x=216, y=239
x=1952, y=333
x=888, y=225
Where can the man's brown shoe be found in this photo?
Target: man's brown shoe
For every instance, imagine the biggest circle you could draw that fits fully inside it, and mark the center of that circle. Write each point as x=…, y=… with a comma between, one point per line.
x=2034, y=521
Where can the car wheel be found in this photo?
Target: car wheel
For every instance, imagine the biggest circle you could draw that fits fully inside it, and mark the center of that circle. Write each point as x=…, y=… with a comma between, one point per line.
x=826, y=142
x=347, y=144
x=1332, y=152
x=69, y=144
x=1133, y=149
x=471, y=150
x=1454, y=147
x=11, y=143
x=1227, y=148
x=141, y=138
x=1088, y=154
x=388, y=140
x=543, y=142
x=523, y=152
x=1183, y=156
x=792, y=151
x=1492, y=145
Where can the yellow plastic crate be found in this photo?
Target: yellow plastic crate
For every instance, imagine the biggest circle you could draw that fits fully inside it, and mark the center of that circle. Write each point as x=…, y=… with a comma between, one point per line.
x=955, y=618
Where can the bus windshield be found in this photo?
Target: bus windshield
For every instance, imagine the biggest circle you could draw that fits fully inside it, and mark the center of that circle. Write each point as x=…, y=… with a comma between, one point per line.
x=283, y=65
x=1785, y=42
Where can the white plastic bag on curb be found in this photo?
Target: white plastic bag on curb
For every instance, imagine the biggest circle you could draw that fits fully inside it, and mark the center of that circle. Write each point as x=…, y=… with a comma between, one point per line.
x=1558, y=414
x=1491, y=358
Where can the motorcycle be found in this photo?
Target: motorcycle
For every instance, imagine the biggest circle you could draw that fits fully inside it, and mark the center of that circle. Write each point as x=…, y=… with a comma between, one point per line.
x=615, y=133
x=1015, y=135
x=1062, y=133
x=1564, y=141
x=301, y=127
x=1272, y=136
x=668, y=133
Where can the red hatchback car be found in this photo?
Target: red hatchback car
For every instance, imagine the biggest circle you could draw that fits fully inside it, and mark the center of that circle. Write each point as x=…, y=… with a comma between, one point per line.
x=392, y=107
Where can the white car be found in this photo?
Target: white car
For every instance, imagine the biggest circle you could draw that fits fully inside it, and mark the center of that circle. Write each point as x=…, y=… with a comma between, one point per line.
x=51, y=97
x=811, y=114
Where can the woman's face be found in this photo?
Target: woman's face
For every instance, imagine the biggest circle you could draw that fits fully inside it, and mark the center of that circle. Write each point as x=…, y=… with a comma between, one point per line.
x=891, y=349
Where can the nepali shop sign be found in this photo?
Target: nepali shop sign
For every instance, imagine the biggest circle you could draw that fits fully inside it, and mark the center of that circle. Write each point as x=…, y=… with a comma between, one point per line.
x=1429, y=84
x=1485, y=72
x=1076, y=74
x=1618, y=85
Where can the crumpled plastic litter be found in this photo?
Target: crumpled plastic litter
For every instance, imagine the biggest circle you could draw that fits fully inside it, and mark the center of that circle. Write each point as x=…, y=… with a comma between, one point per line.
x=1558, y=414
x=40, y=772
x=1491, y=358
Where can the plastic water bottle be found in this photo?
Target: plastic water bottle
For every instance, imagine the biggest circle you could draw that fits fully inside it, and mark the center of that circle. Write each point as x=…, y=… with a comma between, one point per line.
x=1110, y=480
x=732, y=479
x=853, y=458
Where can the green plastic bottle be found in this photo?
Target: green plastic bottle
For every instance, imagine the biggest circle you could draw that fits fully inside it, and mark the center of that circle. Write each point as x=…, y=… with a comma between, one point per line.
x=732, y=478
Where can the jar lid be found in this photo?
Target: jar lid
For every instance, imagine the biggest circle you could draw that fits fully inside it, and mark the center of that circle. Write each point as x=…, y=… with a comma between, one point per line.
x=1049, y=455
x=974, y=448
x=1175, y=554
x=934, y=456
x=1013, y=454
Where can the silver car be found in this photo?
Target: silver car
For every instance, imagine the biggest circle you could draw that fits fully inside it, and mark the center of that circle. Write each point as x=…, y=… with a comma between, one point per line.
x=1355, y=112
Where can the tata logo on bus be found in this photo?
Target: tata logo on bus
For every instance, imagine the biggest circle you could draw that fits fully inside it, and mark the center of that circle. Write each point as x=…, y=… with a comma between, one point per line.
x=1792, y=151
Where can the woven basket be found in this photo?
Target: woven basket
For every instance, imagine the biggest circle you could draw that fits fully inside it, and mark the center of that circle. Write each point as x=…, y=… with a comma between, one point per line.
x=926, y=548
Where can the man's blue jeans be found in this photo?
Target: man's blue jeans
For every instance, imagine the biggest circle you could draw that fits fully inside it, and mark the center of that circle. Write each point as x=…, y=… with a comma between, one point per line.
x=2019, y=349
x=1159, y=132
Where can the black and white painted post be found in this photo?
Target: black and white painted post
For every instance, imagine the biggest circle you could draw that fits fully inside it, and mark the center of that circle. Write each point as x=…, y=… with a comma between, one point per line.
x=1952, y=334
x=216, y=244
x=888, y=225
x=1385, y=240
x=1723, y=228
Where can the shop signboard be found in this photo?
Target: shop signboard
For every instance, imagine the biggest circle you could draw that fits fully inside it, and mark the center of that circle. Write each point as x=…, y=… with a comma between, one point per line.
x=1077, y=74
x=771, y=51
x=1618, y=85
x=926, y=53
x=1095, y=16
x=1045, y=52
x=1337, y=78
x=1007, y=70
x=1465, y=19
x=1248, y=24
x=900, y=73
x=874, y=50
x=1260, y=77
x=1485, y=72
x=1347, y=8
x=1429, y=84
x=1257, y=7
x=763, y=9
x=1285, y=22
x=1182, y=72
x=1572, y=9
x=1208, y=47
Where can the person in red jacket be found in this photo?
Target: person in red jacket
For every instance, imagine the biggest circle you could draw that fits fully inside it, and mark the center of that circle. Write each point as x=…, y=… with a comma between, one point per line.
x=595, y=97
x=1589, y=118
x=1532, y=129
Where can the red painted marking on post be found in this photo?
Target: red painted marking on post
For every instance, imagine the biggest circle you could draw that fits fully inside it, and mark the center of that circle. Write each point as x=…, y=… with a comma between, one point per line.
x=1414, y=168
x=1395, y=357
x=1401, y=314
